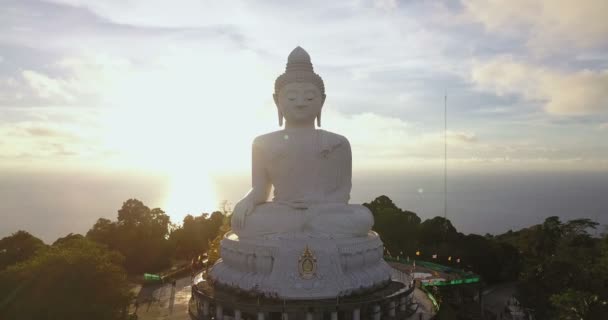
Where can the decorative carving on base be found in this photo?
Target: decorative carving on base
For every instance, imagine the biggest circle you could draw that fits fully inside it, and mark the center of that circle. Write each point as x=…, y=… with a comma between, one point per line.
x=300, y=266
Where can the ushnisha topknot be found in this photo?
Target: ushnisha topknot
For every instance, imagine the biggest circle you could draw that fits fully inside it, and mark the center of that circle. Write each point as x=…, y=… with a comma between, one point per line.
x=299, y=69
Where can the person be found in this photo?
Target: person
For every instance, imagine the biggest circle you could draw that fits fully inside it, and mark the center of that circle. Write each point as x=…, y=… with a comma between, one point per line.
x=309, y=168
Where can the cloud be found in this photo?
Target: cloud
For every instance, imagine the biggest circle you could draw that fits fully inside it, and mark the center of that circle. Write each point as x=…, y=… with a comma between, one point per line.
x=8, y=87
x=546, y=24
x=396, y=143
x=386, y=49
x=603, y=126
x=46, y=87
x=561, y=93
x=80, y=80
x=36, y=140
x=466, y=137
x=195, y=67
x=159, y=13
x=371, y=29
x=43, y=131
x=385, y=4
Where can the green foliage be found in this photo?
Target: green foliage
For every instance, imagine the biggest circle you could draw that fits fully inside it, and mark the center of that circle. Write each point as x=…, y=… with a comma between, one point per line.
x=73, y=279
x=397, y=228
x=18, y=247
x=563, y=274
x=68, y=238
x=573, y=304
x=403, y=234
x=495, y=261
x=561, y=270
x=192, y=238
x=437, y=229
x=140, y=234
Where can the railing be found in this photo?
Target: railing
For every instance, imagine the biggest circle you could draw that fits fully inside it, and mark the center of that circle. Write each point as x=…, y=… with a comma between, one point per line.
x=373, y=306
x=465, y=277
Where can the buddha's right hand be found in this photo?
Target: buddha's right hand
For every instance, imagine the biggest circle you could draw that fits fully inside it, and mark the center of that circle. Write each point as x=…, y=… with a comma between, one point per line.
x=242, y=209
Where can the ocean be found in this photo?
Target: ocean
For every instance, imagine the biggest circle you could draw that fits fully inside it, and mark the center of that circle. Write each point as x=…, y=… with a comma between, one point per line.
x=51, y=205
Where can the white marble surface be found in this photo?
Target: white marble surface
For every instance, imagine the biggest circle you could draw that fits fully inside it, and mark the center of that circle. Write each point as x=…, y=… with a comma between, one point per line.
x=270, y=265
x=310, y=171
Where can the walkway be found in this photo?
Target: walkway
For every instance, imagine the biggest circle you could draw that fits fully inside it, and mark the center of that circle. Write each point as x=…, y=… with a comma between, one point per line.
x=495, y=298
x=166, y=302
x=425, y=306
x=160, y=302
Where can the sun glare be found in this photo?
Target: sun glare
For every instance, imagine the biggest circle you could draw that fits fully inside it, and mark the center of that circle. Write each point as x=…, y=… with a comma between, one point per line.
x=191, y=192
x=190, y=120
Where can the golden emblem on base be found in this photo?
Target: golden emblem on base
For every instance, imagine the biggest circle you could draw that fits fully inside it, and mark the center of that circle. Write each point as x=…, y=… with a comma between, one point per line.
x=307, y=264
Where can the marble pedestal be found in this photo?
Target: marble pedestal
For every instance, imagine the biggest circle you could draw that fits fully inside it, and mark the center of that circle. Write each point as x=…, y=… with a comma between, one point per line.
x=301, y=266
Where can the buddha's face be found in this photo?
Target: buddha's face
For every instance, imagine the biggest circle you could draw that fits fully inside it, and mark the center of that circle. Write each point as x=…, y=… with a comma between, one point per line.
x=299, y=102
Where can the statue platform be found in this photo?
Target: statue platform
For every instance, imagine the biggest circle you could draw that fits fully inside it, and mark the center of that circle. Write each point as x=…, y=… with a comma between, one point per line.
x=393, y=300
x=301, y=266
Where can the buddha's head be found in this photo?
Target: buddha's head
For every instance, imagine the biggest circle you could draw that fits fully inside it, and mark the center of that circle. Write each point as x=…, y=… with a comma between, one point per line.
x=299, y=93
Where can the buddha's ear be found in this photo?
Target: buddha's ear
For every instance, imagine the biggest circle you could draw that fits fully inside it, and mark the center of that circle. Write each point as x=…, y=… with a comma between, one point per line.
x=323, y=96
x=275, y=97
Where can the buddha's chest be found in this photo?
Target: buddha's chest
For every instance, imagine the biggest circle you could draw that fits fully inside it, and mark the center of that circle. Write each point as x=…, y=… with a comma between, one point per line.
x=299, y=150
x=298, y=157
x=305, y=164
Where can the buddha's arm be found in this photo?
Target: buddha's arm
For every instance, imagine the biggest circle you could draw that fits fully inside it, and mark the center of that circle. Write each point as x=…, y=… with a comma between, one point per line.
x=260, y=183
x=260, y=189
x=342, y=192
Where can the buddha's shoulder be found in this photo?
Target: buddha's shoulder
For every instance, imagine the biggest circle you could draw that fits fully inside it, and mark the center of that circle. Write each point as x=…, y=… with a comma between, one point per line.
x=332, y=141
x=274, y=137
x=268, y=139
x=334, y=137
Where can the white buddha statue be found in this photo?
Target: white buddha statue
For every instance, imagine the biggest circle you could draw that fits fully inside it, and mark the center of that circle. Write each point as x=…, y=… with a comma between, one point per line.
x=308, y=242
x=309, y=168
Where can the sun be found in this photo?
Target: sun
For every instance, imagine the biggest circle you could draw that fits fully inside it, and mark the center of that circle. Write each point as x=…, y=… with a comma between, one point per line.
x=190, y=192
x=189, y=120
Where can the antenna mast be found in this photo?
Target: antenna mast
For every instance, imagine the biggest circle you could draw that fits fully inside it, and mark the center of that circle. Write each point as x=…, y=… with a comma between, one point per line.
x=445, y=155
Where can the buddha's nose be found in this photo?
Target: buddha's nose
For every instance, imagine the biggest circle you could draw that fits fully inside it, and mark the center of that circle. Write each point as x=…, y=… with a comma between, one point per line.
x=301, y=106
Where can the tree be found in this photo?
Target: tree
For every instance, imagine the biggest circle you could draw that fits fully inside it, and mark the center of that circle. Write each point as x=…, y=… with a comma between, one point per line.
x=192, y=238
x=575, y=304
x=563, y=276
x=437, y=230
x=140, y=234
x=397, y=228
x=104, y=231
x=560, y=268
x=495, y=261
x=18, y=247
x=73, y=279
x=68, y=238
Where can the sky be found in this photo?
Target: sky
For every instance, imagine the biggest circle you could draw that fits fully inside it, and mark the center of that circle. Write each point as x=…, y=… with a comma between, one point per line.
x=179, y=89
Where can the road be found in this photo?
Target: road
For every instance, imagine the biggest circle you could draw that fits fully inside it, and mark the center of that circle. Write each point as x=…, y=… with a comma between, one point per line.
x=495, y=297
x=160, y=302
x=425, y=306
